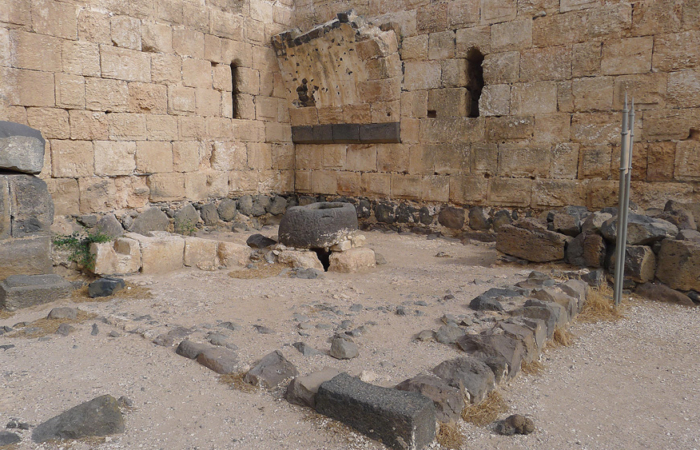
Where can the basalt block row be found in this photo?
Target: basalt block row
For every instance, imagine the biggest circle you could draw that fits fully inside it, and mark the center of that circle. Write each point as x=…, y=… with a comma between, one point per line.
x=348, y=133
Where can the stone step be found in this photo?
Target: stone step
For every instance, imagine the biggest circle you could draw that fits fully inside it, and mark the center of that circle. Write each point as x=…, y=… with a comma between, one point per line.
x=22, y=291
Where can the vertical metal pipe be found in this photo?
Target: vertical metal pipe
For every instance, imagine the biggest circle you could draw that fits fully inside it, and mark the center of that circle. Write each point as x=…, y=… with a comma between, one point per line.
x=621, y=195
x=626, y=200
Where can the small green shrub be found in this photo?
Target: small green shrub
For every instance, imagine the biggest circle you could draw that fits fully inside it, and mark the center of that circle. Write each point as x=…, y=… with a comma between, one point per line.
x=186, y=228
x=79, y=246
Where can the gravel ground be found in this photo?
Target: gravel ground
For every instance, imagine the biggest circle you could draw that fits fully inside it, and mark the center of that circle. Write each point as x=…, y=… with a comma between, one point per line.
x=629, y=384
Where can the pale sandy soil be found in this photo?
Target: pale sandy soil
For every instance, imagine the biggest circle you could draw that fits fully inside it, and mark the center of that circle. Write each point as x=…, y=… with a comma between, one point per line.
x=630, y=384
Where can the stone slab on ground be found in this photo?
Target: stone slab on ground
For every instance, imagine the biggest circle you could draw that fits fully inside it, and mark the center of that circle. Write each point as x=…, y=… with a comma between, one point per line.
x=300, y=259
x=302, y=390
x=530, y=240
x=509, y=348
x=402, y=420
x=469, y=373
x=448, y=400
x=231, y=254
x=98, y=417
x=201, y=253
x=28, y=256
x=220, y=360
x=662, y=293
x=353, y=260
x=22, y=291
x=271, y=371
x=161, y=253
x=21, y=148
x=104, y=287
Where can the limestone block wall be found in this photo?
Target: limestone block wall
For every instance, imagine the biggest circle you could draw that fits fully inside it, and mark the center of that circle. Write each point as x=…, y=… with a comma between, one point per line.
x=547, y=132
x=136, y=98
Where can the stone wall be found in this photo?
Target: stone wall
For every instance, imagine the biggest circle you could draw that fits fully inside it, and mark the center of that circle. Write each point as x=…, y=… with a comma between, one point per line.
x=134, y=98
x=547, y=134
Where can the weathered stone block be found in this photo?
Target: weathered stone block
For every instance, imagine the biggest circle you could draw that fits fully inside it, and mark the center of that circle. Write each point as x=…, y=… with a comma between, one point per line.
x=544, y=64
x=166, y=187
x=494, y=346
x=302, y=390
x=402, y=420
x=300, y=259
x=662, y=293
x=640, y=263
x=516, y=161
x=509, y=127
x=531, y=241
x=157, y=38
x=467, y=373
x=501, y=68
x=98, y=417
x=380, y=132
x=421, y=75
x=124, y=64
x=678, y=264
x=448, y=400
x=510, y=36
x=677, y=51
x=592, y=94
x=161, y=254
x=586, y=59
x=231, y=254
x=220, y=360
x=346, y=133
x=641, y=229
x=303, y=134
x=30, y=205
x=32, y=88
x=21, y=148
x=23, y=291
x=200, y=253
x=631, y=55
x=271, y=371
x=114, y=158
x=353, y=260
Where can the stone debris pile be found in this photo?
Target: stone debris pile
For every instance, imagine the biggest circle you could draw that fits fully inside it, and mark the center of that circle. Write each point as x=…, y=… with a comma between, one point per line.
x=663, y=246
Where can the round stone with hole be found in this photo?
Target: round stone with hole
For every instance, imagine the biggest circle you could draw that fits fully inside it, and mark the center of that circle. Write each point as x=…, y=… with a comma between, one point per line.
x=318, y=225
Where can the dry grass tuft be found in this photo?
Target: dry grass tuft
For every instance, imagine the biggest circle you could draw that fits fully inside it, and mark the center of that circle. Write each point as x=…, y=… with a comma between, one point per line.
x=264, y=271
x=67, y=444
x=532, y=368
x=328, y=424
x=49, y=326
x=485, y=412
x=130, y=291
x=5, y=314
x=599, y=306
x=449, y=436
x=235, y=381
x=562, y=337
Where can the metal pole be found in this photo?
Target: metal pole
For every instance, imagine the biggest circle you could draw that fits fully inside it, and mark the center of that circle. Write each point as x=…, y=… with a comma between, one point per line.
x=626, y=199
x=623, y=169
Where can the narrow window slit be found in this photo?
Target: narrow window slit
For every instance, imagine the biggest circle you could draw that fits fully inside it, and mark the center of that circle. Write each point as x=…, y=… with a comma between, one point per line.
x=475, y=84
x=235, y=110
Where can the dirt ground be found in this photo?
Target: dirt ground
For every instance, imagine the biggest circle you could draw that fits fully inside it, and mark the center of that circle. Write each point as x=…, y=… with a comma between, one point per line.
x=629, y=384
